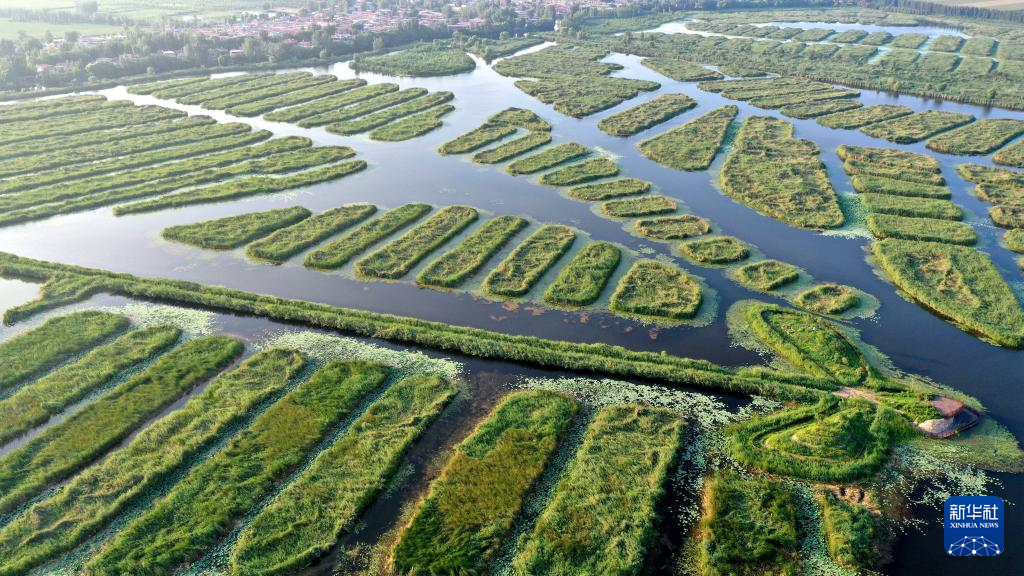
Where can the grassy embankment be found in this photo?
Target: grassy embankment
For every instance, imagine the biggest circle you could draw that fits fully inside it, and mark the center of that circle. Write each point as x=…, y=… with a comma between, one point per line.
x=399, y=256
x=525, y=265
x=455, y=266
x=207, y=503
x=600, y=519
x=35, y=403
x=694, y=145
x=655, y=290
x=91, y=500
x=715, y=250
x=54, y=343
x=421, y=59
x=473, y=505
x=581, y=281
x=341, y=482
x=780, y=176
x=234, y=231
x=65, y=448
x=287, y=242
x=572, y=79
x=644, y=116
x=337, y=253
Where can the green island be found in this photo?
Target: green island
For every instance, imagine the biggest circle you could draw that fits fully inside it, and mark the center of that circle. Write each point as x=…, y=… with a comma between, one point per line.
x=592, y=169
x=548, y=158
x=828, y=299
x=672, y=227
x=780, y=176
x=680, y=70
x=581, y=281
x=642, y=206
x=337, y=253
x=286, y=242
x=644, y=116
x=978, y=139
x=694, y=145
x=714, y=250
x=655, y=290
x=916, y=127
x=524, y=266
x=456, y=265
x=397, y=257
x=418, y=60
x=609, y=189
x=860, y=117
x=767, y=275
x=235, y=231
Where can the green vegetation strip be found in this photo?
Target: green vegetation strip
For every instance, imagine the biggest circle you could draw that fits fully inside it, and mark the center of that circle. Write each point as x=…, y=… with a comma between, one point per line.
x=254, y=185
x=642, y=206
x=956, y=282
x=205, y=505
x=420, y=60
x=1012, y=155
x=610, y=189
x=455, y=266
x=274, y=90
x=65, y=448
x=748, y=527
x=339, y=252
x=296, y=97
x=64, y=284
x=767, y=275
x=581, y=172
x=780, y=176
x=694, y=145
x=398, y=257
x=643, y=116
x=305, y=520
x=118, y=117
x=473, y=505
x=601, y=516
x=548, y=158
x=828, y=299
x=523, y=268
x=815, y=109
x=377, y=119
x=412, y=126
x=323, y=105
x=715, y=250
x=911, y=206
x=512, y=148
x=849, y=531
x=477, y=138
x=287, y=242
x=927, y=229
x=362, y=108
x=235, y=231
x=34, y=404
x=980, y=138
x=34, y=109
x=889, y=186
x=55, y=342
x=679, y=70
x=85, y=178
x=861, y=117
x=94, y=498
x=657, y=290
x=672, y=227
x=581, y=281
x=917, y=126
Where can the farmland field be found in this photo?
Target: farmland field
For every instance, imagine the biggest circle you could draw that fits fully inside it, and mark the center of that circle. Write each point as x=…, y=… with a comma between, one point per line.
x=675, y=293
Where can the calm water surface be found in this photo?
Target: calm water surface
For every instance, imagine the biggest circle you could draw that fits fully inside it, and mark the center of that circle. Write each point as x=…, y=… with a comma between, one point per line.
x=413, y=171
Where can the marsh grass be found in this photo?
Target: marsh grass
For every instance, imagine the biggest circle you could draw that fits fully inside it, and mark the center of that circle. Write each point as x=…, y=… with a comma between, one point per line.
x=609, y=189
x=33, y=404
x=860, y=117
x=65, y=448
x=287, y=242
x=58, y=340
x=641, y=206
x=512, y=148
x=694, y=145
x=679, y=70
x=341, y=482
x=324, y=105
x=958, y=283
x=337, y=253
x=828, y=299
x=205, y=504
x=525, y=265
x=767, y=275
x=602, y=513
x=581, y=172
x=672, y=227
x=916, y=127
x=581, y=281
x=381, y=118
x=412, y=126
x=657, y=290
x=396, y=258
x=363, y=107
x=94, y=498
x=423, y=59
x=924, y=229
x=643, y=116
x=475, y=502
x=715, y=250
x=912, y=207
x=849, y=531
x=548, y=158
x=455, y=266
x=980, y=138
x=235, y=231
x=814, y=109
x=295, y=97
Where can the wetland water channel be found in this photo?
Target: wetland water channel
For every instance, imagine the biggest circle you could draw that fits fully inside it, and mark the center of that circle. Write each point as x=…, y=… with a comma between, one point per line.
x=411, y=171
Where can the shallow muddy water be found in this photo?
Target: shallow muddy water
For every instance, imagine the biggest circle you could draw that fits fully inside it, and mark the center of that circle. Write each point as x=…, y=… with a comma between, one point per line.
x=409, y=171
